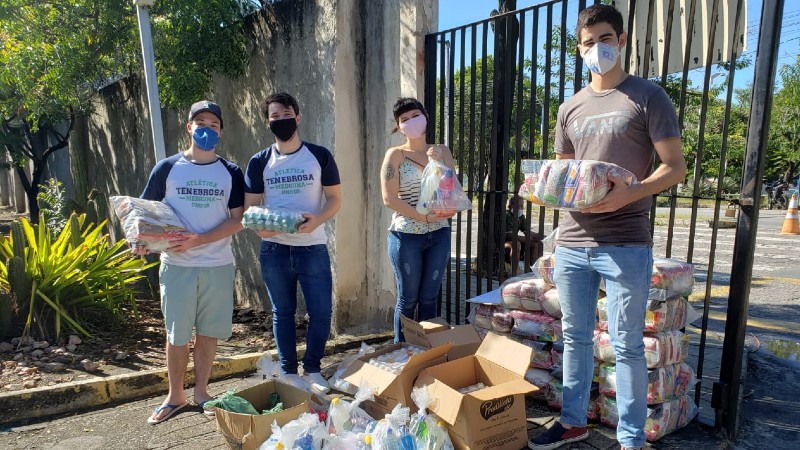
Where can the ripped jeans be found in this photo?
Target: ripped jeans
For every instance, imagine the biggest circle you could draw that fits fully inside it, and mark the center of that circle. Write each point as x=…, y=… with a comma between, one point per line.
x=419, y=262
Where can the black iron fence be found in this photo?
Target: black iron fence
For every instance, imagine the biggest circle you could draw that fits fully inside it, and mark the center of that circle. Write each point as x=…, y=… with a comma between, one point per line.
x=493, y=89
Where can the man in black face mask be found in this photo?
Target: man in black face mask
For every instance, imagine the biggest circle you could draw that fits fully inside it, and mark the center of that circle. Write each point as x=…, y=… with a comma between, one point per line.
x=295, y=176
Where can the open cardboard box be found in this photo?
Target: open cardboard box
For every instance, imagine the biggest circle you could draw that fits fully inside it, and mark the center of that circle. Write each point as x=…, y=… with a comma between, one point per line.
x=436, y=332
x=391, y=388
x=489, y=418
x=248, y=432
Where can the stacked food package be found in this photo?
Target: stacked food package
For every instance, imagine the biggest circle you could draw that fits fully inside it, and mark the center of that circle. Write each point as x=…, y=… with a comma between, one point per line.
x=569, y=184
x=147, y=223
x=670, y=380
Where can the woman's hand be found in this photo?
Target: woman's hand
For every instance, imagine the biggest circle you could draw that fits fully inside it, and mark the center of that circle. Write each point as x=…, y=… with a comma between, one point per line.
x=435, y=152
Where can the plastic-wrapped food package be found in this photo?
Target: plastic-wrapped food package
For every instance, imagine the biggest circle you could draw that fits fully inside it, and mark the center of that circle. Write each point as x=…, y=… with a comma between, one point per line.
x=272, y=219
x=660, y=349
x=538, y=377
x=147, y=223
x=502, y=322
x=440, y=191
x=481, y=316
x=541, y=357
x=569, y=184
x=557, y=354
x=662, y=419
x=671, y=278
x=396, y=360
x=660, y=315
x=524, y=292
x=536, y=325
x=544, y=266
x=663, y=383
x=337, y=382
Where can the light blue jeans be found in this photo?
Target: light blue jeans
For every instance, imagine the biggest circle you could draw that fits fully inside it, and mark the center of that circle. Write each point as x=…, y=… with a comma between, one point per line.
x=627, y=271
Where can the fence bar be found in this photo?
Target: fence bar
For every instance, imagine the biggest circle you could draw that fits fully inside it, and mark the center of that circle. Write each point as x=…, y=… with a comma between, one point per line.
x=726, y=393
x=664, y=73
x=481, y=166
x=472, y=172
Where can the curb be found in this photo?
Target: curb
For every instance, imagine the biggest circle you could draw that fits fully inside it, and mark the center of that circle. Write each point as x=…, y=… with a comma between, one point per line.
x=76, y=396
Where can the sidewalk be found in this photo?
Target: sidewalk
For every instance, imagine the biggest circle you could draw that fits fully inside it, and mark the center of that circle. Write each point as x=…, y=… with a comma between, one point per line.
x=122, y=425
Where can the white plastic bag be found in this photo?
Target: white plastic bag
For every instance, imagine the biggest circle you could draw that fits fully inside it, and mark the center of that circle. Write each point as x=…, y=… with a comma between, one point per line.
x=337, y=382
x=147, y=223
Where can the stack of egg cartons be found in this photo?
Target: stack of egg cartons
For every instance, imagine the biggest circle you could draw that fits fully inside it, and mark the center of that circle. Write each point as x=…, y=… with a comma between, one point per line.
x=670, y=379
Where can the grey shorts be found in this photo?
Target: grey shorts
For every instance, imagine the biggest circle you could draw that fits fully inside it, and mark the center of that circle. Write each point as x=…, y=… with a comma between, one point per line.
x=199, y=298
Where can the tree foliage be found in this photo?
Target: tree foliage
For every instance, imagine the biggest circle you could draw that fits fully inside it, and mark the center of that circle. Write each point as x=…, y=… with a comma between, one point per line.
x=55, y=55
x=784, y=143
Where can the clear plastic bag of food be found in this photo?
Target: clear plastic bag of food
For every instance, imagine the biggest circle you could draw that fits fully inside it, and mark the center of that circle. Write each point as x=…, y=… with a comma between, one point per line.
x=147, y=223
x=660, y=349
x=336, y=380
x=536, y=325
x=267, y=218
x=569, y=183
x=671, y=278
x=660, y=315
x=440, y=191
x=421, y=424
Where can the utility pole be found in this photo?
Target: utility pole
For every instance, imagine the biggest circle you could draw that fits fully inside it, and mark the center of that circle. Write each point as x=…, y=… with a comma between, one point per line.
x=153, y=102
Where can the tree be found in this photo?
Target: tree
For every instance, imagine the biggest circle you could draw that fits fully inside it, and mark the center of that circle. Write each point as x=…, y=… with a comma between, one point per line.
x=55, y=55
x=784, y=149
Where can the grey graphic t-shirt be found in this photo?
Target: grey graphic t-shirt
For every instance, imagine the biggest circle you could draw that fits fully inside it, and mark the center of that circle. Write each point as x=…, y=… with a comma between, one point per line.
x=617, y=126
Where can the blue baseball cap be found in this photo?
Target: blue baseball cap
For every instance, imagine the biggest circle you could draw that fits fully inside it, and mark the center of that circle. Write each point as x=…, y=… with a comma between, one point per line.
x=206, y=106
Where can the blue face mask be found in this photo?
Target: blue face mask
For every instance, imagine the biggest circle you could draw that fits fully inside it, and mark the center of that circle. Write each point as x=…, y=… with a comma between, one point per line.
x=205, y=138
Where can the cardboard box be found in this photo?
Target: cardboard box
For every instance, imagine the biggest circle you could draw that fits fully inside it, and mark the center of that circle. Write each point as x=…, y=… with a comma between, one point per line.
x=489, y=418
x=436, y=332
x=391, y=388
x=248, y=432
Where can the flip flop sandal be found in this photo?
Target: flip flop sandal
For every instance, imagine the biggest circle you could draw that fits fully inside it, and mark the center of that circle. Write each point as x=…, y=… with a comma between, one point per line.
x=173, y=409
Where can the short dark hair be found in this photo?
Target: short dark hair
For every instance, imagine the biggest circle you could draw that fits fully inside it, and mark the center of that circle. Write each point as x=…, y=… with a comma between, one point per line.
x=599, y=14
x=284, y=99
x=404, y=105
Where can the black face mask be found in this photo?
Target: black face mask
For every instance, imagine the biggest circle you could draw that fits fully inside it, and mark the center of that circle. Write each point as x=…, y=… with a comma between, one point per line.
x=283, y=129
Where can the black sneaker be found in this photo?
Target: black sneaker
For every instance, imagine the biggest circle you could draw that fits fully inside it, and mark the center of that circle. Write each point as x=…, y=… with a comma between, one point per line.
x=557, y=436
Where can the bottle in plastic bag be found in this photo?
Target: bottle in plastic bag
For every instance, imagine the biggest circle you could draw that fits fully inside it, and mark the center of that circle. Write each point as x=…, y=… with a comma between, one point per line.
x=338, y=416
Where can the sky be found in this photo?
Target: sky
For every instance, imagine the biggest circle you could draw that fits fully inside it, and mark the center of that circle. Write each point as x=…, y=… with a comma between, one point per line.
x=454, y=13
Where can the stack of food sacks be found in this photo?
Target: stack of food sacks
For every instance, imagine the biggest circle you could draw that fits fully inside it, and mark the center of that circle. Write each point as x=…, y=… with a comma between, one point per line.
x=531, y=314
x=670, y=379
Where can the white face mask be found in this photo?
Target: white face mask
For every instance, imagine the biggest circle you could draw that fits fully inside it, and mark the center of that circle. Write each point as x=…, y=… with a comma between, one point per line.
x=601, y=57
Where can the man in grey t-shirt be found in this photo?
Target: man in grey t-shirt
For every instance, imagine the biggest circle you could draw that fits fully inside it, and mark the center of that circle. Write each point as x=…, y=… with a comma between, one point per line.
x=625, y=120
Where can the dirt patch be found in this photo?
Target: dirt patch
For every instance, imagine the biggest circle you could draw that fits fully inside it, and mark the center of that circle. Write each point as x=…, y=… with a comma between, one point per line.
x=136, y=346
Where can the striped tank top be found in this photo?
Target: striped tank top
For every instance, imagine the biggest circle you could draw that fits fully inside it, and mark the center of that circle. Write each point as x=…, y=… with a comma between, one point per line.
x=410, y=180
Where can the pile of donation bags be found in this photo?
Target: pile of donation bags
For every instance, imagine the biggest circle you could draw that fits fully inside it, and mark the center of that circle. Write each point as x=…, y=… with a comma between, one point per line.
x=527, y=309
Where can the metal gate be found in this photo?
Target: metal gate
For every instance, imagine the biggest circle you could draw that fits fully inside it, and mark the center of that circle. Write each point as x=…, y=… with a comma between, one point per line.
x=492, y=89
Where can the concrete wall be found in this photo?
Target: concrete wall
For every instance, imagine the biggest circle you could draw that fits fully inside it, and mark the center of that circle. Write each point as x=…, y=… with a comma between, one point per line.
x=346, y=61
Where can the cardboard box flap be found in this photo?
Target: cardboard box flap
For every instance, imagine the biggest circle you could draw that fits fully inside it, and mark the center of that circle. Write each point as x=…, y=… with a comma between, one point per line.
x=363, y=372
x=424, y=357
x=458, y=335
x=416, y=332
x=447, y=401
x=513, y=387
x=505, y=352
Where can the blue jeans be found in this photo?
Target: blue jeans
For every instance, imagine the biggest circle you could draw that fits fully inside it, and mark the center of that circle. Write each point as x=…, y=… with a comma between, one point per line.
x=282, y=267
x=627, y=271
x=419, y=262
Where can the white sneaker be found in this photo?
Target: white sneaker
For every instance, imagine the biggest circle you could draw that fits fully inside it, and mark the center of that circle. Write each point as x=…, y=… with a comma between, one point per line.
x=317, y=382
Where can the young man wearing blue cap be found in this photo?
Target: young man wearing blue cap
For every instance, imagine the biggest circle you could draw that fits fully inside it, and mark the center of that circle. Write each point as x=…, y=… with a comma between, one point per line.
x=197, y=273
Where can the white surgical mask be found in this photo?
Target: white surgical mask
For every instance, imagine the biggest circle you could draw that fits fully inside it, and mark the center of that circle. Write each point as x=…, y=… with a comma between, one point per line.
x=601, y=57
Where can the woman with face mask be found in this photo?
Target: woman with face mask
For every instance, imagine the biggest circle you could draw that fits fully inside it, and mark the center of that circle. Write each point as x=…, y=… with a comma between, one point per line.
x=419, y=244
